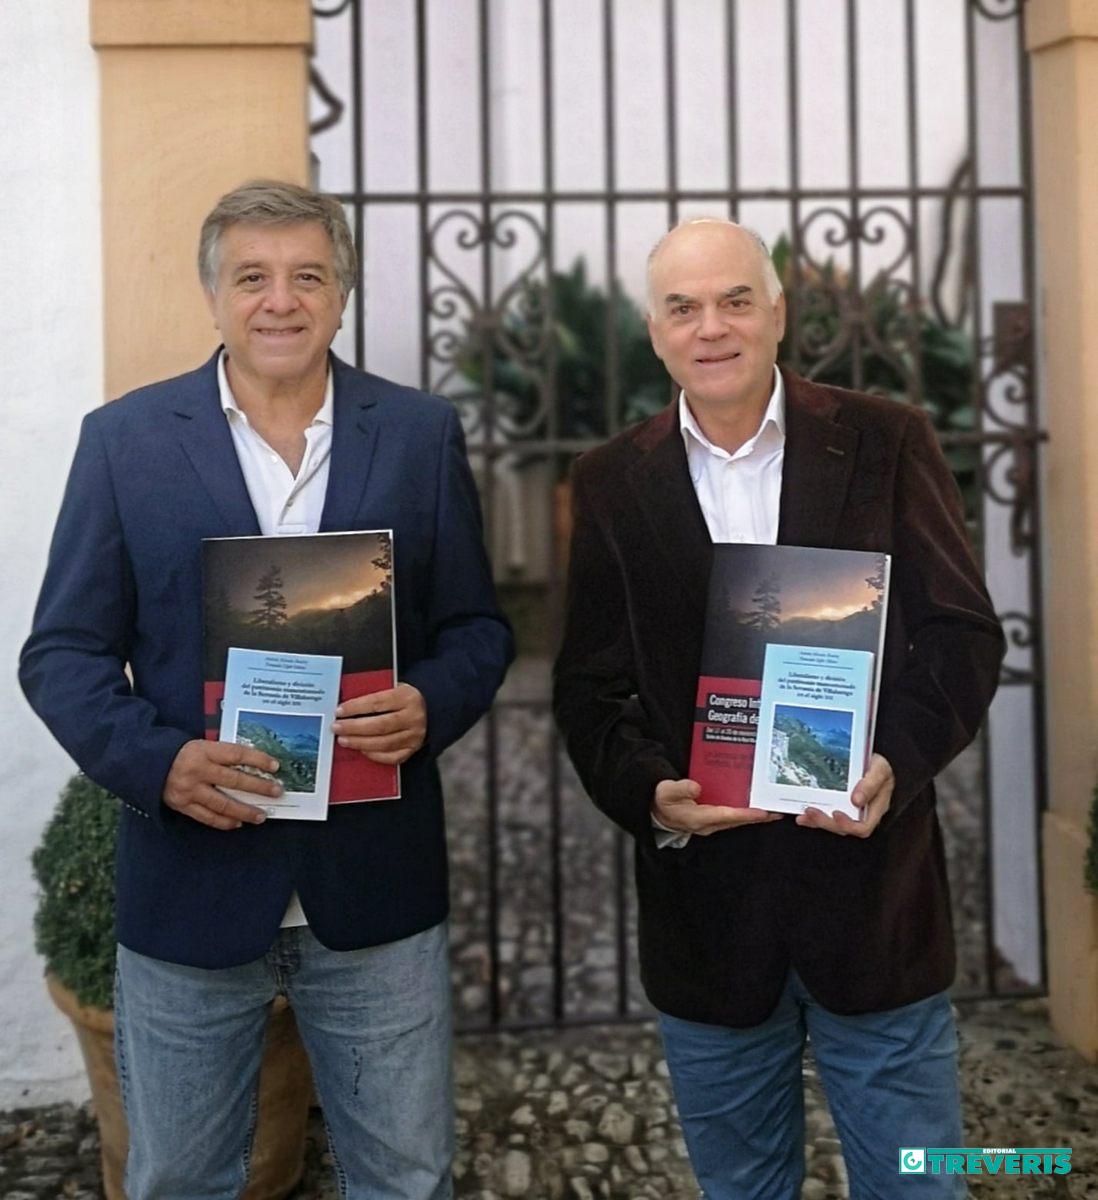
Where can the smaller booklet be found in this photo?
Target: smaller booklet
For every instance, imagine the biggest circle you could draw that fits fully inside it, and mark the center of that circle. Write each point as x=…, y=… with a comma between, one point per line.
x=815, y=718
x=284, y=705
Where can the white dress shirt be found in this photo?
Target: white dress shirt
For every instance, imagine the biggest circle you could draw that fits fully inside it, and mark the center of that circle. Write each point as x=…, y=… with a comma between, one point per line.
x=739, y=495
x=284, y=503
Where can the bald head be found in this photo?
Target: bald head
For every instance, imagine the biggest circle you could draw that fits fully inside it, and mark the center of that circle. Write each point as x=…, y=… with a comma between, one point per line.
x=700, y=239
x=716, y=316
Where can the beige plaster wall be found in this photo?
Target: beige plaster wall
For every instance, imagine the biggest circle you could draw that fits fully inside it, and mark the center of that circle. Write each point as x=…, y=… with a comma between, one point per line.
x=195, y=97
x=1062, y=36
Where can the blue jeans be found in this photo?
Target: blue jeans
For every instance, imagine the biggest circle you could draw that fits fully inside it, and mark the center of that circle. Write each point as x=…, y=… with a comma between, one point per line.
x=890, y=1079
x=376, y=1026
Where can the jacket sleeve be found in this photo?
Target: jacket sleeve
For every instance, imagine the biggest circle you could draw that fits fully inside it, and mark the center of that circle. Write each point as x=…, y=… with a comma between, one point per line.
x=595, y=698
x=73, y=666
x=469, y=642
x=956, y=645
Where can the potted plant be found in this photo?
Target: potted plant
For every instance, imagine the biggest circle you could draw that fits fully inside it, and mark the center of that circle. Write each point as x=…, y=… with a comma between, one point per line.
x=74, y=933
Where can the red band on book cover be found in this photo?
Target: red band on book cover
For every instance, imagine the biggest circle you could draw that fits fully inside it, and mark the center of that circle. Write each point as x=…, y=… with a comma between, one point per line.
x=354, y=777
x=722, y=750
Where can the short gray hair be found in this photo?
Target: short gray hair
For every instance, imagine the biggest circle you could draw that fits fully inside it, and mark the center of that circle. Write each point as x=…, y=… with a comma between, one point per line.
x=271, y=202
x=771, y=281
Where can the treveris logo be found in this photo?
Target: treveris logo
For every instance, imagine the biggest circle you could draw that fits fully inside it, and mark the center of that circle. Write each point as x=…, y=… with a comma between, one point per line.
x=912, y=1160
x=985, y=1160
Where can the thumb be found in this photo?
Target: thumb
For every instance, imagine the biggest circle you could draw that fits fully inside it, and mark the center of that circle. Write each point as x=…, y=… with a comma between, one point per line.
x=680, y=790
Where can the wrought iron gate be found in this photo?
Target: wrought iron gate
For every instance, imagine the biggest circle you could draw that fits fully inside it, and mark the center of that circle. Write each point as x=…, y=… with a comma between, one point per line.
x=505, y=165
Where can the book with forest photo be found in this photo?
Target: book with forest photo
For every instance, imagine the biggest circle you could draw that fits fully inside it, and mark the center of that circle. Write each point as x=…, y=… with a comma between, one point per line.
x=306, y=594
x=792, y=650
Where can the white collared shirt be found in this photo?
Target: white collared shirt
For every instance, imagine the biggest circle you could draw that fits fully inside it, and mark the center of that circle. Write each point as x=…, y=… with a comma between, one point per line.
x=739, y=495
x=284, y=503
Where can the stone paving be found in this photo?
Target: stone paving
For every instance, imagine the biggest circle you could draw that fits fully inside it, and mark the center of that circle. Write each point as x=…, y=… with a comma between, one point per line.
x=588, y=1114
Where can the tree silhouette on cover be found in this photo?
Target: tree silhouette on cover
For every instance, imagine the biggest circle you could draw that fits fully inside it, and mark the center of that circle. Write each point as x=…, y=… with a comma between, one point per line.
x=876, y=581
x=384, y=562
x=767, y=612
x=271, y=613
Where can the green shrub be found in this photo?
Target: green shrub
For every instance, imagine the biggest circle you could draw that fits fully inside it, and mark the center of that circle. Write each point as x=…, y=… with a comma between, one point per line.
x=1091, y=864
x=900, y=341
x=74, y=867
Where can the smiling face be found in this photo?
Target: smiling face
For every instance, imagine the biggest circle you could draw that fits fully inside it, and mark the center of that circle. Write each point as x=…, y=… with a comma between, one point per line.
x=711, y=320
x=277, y=303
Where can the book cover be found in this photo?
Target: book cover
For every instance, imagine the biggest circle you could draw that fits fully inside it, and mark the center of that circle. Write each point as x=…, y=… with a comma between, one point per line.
x=284, y=705
x=315, y=594
x=774, y=595
x=814, y=716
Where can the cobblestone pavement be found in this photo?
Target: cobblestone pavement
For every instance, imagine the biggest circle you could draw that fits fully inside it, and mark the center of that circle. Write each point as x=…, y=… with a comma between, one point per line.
x=588, y=1114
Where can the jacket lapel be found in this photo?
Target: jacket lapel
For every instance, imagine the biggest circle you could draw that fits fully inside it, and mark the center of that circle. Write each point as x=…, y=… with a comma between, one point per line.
x=354, y=440
x=816, y=473
x=208, y=443
x=819, y=462
x=661, y=482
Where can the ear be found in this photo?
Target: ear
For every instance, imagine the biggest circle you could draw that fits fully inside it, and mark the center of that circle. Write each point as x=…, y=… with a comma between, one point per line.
x=653, y=334
x=779, y=315
x=211, y=304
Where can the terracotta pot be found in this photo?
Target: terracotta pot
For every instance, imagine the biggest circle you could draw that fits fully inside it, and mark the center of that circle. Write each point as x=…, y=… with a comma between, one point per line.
x=284, y=1092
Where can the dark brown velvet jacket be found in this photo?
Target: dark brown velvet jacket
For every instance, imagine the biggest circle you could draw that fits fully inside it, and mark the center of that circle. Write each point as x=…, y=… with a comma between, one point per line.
x=865, y=922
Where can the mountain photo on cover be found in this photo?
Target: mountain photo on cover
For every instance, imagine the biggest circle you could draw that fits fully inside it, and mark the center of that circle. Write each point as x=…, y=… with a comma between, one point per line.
x=325, y=594
x=797, y=596
x=810, y=747
x=292, y=738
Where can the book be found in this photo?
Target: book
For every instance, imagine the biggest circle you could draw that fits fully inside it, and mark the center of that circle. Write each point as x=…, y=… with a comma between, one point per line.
x=284, y=705
x=779, y=596
x=814, y=716
x=312, y=594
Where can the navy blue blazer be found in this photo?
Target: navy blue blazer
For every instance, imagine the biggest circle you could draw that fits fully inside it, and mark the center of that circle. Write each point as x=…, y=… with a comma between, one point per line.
x=156, y=472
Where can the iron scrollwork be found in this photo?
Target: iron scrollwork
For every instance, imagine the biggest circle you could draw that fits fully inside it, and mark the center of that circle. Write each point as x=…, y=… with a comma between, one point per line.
x=512, y=328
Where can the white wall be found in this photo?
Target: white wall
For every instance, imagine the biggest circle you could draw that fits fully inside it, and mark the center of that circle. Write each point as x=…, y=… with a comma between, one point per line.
x=51, y=338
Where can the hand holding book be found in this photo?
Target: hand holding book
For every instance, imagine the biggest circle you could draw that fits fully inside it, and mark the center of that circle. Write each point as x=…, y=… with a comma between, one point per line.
x=202, y=768
x=388, y=726
x=873, y=795
x=675, y=805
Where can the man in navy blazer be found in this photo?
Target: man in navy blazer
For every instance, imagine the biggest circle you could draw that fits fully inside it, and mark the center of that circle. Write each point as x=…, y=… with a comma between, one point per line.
x=219, y=910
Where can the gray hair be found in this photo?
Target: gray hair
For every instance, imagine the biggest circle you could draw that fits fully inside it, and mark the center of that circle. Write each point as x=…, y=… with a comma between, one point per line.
x=771, y=281
x=271, y=202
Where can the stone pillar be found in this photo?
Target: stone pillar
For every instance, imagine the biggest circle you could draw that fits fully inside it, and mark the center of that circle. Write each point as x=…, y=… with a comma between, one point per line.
x=196, y=96
x=1062, y=37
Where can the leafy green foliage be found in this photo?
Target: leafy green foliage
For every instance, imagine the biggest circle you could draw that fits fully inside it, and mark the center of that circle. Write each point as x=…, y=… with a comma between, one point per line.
x=581, y=313
x=74, y=867
x=945, y=356
x=1090, y=866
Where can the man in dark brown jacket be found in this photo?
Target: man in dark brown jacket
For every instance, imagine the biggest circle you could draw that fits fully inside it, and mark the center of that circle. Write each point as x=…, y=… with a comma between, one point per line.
x=757, y=930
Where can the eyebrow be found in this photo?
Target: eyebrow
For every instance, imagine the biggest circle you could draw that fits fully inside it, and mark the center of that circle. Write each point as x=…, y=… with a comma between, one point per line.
x=262, y=266
x=740, y=289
